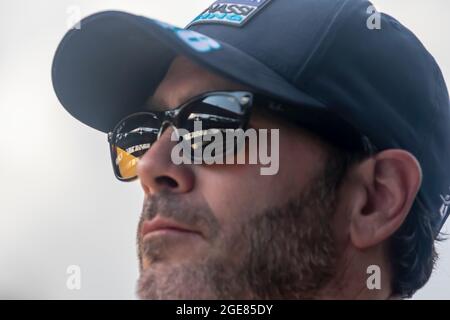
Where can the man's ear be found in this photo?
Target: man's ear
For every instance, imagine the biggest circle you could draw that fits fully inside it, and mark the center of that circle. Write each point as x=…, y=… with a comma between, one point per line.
x=386, y=187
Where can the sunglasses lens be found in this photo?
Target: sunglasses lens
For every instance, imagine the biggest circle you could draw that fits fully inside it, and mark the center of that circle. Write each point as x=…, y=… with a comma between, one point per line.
x=214, y=112
x=207, y=121
x=129, y=142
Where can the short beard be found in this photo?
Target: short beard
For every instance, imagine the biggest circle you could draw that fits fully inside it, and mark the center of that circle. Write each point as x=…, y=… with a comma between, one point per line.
x=286, y=252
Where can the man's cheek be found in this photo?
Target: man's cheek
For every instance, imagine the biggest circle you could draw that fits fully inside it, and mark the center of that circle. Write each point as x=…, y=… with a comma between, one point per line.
x=232, y=244
x=230, y=200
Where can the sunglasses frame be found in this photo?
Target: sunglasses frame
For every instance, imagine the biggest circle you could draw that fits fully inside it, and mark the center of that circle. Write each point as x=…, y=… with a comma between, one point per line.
x=172, y=118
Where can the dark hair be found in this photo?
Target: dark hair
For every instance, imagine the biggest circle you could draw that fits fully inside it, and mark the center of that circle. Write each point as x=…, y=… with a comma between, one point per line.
x=412, y=251
x=411, y=248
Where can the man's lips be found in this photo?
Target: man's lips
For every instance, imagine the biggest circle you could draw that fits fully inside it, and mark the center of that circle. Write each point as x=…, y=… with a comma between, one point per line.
x=163, y=225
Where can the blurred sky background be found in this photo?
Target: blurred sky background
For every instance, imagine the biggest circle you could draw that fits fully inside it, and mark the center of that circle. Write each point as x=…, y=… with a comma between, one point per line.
x=60, y=204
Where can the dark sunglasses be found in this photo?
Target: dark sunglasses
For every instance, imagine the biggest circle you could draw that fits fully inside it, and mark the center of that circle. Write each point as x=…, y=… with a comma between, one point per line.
x=218, y=112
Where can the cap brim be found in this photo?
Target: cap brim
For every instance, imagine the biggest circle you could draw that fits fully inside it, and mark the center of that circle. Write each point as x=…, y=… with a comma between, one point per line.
x=110, y=66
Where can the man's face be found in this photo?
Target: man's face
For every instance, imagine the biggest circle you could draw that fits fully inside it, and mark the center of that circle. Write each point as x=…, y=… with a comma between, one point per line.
x=254, y=236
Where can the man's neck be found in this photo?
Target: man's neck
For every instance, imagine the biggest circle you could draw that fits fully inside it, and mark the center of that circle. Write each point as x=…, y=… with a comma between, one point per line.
x=360, y=275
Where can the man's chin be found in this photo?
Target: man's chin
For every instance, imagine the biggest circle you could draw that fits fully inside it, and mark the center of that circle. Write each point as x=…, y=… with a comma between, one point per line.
x=167, y=281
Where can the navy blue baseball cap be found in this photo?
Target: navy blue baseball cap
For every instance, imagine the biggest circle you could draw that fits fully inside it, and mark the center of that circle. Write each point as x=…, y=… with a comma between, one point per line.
x=335, y=56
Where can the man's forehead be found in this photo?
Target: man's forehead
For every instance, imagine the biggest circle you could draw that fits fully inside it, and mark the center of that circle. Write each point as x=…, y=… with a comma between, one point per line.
x=186, y=79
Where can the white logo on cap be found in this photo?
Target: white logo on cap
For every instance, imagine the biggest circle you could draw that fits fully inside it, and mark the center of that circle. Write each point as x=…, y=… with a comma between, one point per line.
x=198, y=41
x=195, y=40
x=230, y=12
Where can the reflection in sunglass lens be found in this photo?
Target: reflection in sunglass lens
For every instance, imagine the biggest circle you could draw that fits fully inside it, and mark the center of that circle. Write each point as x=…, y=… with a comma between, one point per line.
x=216, y=115
x=132, y=138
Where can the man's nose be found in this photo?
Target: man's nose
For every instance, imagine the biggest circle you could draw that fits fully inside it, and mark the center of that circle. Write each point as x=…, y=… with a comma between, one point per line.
x=157, y=172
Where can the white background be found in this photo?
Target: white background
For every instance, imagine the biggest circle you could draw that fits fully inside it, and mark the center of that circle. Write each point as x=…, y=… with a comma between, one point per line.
x=59, y=202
